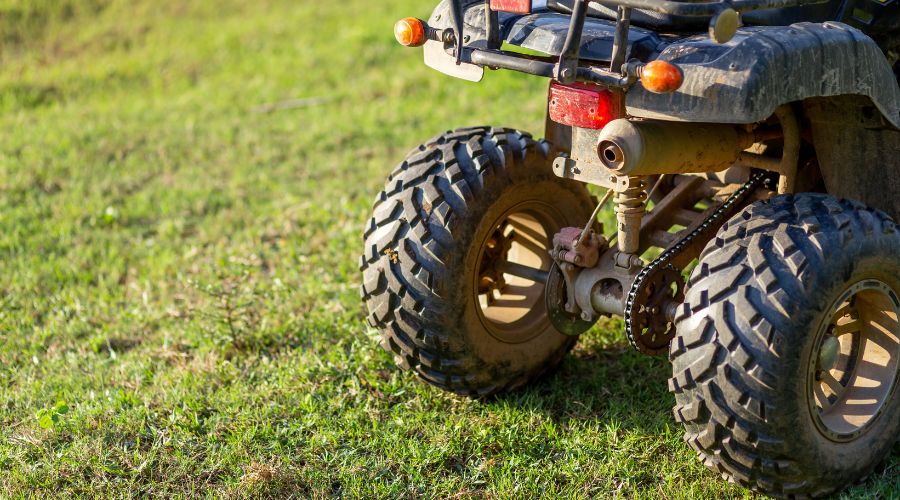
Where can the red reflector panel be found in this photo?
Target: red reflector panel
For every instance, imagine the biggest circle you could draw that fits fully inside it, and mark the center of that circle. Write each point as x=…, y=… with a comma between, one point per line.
x=514, y=6
x=584, y=106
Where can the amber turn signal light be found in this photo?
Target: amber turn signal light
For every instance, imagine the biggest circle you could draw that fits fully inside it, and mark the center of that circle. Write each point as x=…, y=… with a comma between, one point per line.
x=410, y=32
x=661, y=77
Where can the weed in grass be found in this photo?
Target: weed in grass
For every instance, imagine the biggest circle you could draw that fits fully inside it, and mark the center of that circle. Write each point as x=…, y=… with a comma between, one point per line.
x=231, y=314
x=51, y=418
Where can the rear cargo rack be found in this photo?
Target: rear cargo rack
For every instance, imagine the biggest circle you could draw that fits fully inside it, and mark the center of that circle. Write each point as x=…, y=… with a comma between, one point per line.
x=567, y=68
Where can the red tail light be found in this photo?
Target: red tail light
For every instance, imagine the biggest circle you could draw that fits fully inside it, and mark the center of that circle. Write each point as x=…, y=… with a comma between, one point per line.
x=514, y=6
x=584, y=106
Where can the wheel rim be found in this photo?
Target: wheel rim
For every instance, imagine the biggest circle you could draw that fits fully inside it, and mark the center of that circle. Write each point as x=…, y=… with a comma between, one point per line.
x=856, y=361
x=513, y=265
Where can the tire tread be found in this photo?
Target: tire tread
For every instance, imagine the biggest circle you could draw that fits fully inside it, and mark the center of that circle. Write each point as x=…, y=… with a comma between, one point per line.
x=724, y=375
x=411, y=237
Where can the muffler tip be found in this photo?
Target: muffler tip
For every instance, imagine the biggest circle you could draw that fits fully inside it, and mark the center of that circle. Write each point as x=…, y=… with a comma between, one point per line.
x=611, y=155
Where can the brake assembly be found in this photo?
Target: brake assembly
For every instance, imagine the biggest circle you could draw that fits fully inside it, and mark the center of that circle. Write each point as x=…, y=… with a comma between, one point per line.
x=573, y=248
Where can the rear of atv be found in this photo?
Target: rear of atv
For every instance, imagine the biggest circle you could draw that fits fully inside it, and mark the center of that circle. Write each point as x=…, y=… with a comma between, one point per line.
x=763, y=161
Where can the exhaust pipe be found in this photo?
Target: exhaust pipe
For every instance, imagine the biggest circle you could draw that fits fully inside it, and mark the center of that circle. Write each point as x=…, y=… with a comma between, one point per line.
x=637, y=148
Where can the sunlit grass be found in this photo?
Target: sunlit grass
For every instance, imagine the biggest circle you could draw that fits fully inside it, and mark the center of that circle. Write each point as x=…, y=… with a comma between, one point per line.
x=183, y=187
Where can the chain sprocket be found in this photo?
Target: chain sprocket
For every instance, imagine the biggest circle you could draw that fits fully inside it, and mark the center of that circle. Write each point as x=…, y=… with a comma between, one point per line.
x=646, y=330
x=652, y=331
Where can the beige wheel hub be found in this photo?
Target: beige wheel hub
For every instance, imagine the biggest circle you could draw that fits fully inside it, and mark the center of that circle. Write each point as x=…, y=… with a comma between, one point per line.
x=856, y=363
x=514, y=262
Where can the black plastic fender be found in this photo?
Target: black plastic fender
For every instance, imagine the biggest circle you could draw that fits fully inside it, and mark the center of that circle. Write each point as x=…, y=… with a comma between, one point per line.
x=745, y=80
x=546, y=32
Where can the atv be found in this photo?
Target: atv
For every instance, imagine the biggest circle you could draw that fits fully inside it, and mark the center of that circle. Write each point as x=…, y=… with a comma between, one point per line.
x=750, y=145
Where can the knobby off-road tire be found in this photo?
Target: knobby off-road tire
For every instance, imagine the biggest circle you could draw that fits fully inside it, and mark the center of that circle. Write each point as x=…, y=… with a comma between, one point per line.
x=425, y=248
x=747, y=335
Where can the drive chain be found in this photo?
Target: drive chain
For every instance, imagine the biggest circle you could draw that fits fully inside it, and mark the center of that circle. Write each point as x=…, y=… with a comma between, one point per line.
x=664, y=261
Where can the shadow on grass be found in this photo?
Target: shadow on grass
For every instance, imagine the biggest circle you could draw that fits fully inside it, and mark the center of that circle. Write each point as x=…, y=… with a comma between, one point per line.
x=621, y=388
x=616, y=385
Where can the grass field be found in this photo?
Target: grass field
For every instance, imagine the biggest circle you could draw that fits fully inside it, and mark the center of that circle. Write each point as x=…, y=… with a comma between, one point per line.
x=183, y=186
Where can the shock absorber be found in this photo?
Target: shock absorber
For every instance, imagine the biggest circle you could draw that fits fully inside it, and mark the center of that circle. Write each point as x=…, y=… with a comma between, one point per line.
x=631, y=205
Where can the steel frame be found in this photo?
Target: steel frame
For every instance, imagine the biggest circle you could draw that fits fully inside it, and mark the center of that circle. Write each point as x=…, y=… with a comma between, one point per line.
x=568, y=68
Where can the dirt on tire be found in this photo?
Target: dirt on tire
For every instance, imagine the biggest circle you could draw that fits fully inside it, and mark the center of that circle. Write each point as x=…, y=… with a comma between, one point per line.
x=420, y=256
x=743, y=348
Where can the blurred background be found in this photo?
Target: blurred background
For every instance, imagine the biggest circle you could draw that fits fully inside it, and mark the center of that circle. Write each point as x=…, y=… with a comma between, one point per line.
x=183, y=187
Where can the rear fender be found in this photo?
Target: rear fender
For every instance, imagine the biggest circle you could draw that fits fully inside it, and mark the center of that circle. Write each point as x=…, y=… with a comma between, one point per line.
x=746, y=79
x=858, y=157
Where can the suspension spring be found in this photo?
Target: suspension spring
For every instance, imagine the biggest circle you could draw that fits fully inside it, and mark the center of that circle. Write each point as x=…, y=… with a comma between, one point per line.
x=631, y=206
